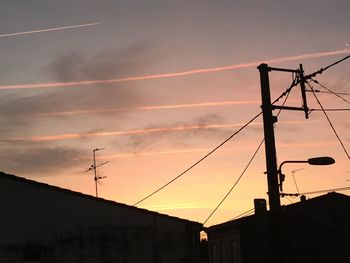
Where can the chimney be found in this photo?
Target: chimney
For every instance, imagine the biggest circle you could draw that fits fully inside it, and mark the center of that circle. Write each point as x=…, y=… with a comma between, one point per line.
x=260, y=206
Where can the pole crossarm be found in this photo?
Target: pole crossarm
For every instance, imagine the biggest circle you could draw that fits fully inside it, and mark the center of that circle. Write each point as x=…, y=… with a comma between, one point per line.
x=284, y=70
x=287, y=108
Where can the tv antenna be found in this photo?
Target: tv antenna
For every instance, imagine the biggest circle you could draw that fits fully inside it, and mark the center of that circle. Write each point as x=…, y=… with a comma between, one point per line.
x=93, y=167
x=295, y=181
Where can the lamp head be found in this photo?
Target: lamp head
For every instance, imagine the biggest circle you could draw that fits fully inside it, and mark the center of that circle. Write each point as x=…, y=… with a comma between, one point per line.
x=325, y=160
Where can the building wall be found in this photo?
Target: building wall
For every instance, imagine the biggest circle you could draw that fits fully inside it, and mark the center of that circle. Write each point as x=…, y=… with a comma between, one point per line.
x=224, y=246
x=67, y=225
x=316, y=230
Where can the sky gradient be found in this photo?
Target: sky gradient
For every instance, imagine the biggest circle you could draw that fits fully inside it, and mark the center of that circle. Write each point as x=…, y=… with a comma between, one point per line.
x=159, y=84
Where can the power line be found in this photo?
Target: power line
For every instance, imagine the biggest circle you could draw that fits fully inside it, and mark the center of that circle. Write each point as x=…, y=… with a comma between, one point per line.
x=234, y=185
x=200, y=160
x=294, y=83
x=286, y=94
x=246, y=213
x=330, y=123
x=326, y=190
x=330, y=91
x=320, y=71
x=317, y=191
x=327, y=92
x=344, y=109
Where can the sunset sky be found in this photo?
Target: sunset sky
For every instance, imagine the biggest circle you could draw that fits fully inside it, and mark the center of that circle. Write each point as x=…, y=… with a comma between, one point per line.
x=159, y=84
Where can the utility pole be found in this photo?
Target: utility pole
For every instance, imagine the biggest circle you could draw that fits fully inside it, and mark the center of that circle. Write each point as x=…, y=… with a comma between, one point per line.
x=269, y=135
x=276, y=239
x=269, y=120
x=276, y=254
x=94, y=168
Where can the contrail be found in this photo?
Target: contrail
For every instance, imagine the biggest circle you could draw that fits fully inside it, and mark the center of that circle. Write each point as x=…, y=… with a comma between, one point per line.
x=158, y=107
x=49, y=29
x=72, y=136
x=175, y=74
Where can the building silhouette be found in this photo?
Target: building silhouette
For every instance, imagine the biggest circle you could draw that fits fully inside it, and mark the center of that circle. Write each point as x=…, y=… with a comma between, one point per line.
x=44, y=223
x=313, y=230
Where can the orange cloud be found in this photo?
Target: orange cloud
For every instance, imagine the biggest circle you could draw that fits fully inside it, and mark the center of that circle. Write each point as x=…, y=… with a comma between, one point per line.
x=201, y=150
x=70, y=136
x=159, y=107
x=176, y=74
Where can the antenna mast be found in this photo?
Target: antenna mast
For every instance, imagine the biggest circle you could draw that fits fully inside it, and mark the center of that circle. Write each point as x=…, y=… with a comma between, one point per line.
x=93, y=167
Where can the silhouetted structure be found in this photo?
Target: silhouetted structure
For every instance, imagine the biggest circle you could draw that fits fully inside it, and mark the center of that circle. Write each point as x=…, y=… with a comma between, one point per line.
x=313, y=230
x=44, y=223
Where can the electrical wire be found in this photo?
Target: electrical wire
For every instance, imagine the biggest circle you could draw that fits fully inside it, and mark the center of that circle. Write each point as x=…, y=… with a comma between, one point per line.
x=327, y=92
x=246, y=213
x=320, y=71
x=234, y=185
x=317, y=192
x=200, y=160
x=326, y=191
x=344, y=109
x=330, y=91
x=329, y=121
x=286, y=94
x=289, y=200
x=295, y=82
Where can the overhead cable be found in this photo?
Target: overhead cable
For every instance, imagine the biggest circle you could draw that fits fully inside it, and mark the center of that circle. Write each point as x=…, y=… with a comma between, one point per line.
x=320, y=71
x=286, y=94
x=200, y=160
x=326, y=190
x=343, y=109
x=316, y=192
x=246, y=213
x=234, y=185
x=330, y=91
x=330, y=123
x=327, y=92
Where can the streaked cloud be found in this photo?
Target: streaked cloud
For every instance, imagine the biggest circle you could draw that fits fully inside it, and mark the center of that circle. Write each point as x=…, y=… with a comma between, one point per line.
x=204, y=150
x=155, y=107
x=175, y=74
x=83, y=135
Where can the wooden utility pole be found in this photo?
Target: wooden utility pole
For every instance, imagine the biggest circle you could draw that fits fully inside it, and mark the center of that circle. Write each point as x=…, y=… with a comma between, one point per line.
x=269, y=120
x=276, y=252
x=269, y=135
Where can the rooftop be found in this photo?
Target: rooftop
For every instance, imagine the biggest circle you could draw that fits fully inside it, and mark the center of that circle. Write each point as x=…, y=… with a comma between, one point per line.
x=90, y=197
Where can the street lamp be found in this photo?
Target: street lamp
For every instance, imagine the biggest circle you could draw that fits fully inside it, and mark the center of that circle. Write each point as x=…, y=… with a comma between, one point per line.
x=324, y=160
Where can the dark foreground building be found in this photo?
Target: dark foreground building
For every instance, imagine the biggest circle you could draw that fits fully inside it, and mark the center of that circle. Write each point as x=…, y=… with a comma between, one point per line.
x=44, y=223
x=312, y=231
